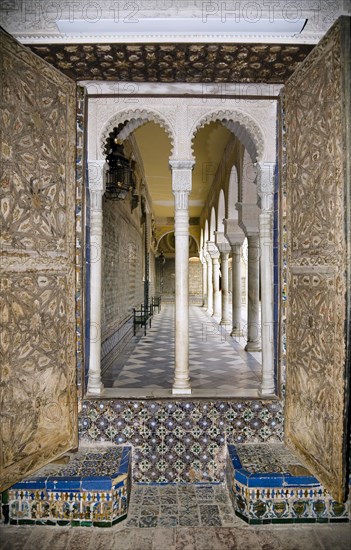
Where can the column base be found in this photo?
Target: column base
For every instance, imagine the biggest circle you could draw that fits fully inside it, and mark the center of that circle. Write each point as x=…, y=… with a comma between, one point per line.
x=236, y=332
x=253, y=346
x=266, y=392
x=95, y=390
x=224, y=322
x=181, y=391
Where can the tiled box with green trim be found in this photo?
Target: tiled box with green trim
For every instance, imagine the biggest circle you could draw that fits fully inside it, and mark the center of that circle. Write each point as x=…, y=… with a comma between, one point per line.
x=267, y=484
x=91, y=489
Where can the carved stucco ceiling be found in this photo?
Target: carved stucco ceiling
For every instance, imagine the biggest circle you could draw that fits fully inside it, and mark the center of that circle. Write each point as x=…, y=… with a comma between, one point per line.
x=246, y=63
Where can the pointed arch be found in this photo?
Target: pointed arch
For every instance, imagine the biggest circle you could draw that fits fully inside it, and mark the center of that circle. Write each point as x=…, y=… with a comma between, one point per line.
x=213, y=224
x=206, y=232
x=168, y=232
x=248, y=189
x=220, y=211
x=233, y=194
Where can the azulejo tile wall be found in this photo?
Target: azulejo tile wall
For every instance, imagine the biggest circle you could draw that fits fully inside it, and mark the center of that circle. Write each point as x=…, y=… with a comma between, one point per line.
x=180, y=440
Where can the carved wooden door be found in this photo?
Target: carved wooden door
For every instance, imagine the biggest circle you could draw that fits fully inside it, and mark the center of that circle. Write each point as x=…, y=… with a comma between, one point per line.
x=38, y=366
x=316, y=176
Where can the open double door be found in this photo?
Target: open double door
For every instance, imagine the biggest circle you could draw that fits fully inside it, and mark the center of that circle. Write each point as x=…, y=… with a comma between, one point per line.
x=38, y=376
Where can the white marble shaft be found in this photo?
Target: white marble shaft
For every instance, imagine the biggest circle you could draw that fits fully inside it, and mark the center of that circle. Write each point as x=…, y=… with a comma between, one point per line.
x=253, y=304
x=204, y=279
x=96, y=190
x=224, y=250
x=214, y=253
x=181, y=187
x=235, y=237
x=209, y=285
x=225, y=320
x=266, y=192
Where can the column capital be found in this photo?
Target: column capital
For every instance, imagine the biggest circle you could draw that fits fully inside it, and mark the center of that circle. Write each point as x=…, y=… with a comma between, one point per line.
x=212, y=250
x=96, y=175
x=233, y=232
x=248, y=218
x=265, y=184
x=181, y=164
x=222, y=243
x=181, y=175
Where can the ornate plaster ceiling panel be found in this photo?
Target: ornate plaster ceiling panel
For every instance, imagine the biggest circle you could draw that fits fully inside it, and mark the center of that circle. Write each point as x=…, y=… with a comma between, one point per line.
x=265, y=63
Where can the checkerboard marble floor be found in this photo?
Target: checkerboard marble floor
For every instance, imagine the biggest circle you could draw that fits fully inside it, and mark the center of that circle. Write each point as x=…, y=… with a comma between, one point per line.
x=219, y=366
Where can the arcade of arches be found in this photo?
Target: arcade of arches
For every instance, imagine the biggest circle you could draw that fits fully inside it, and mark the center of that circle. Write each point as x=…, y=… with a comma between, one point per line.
x=237, y=198
x=206, y=186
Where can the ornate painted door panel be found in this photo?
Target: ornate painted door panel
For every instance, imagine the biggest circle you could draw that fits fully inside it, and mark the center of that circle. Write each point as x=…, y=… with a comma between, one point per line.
x=38, y=365
x=316, y=103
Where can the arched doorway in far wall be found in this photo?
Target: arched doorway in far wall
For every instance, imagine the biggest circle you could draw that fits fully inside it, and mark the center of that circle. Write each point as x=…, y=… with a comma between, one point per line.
x=165, y=269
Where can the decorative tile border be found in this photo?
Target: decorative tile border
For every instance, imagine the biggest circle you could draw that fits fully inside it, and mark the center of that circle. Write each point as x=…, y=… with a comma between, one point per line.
x=280, y=497
x=179, y=441
x=91, y=490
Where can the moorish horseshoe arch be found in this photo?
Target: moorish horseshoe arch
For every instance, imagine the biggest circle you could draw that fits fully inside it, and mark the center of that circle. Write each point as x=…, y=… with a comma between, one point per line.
x=245, y=128
x=172, y=231
x=140, y=117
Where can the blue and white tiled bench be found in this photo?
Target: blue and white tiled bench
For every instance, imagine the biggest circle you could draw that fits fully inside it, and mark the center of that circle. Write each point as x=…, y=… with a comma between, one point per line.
x=268, y=484
x=92, y=489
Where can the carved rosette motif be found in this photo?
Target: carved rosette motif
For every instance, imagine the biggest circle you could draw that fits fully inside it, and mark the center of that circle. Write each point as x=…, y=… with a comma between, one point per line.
x=134, y=63
x=316, y=262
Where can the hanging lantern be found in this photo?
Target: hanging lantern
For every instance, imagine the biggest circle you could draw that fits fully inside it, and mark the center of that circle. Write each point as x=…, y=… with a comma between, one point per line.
x=119, y=177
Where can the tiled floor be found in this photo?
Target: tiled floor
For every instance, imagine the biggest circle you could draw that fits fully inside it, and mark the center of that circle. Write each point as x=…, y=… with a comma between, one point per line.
x=218, y=363
x=183, y=505
x=238, y=537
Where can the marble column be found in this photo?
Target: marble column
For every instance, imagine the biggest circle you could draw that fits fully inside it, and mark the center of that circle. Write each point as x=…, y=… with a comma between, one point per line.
x=209, y=285
x=253, y=303
x=235, y=236
x=225, y=292
x=266, y=190
x=216, y=292
x=214, y=253
x=248, y=219
x=181, y=187
x=96, y=191
x=224, y=249
x=204, y=278
x=236, y=291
